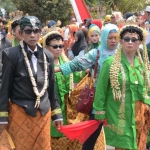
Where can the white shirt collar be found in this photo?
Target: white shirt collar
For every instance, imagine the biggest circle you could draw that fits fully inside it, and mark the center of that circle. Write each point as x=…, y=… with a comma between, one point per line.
x=32, y=50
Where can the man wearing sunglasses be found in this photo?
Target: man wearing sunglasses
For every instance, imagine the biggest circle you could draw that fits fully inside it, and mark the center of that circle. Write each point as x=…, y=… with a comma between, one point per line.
x=28, y=82
x=2, y=22
x=4, y=41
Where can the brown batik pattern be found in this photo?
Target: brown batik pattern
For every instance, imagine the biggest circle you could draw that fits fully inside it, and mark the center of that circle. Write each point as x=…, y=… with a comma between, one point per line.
x=63, y=143
x=6, y=142
x=73, y=116
x=142, y=113
x=142, y=121
x=29, y=133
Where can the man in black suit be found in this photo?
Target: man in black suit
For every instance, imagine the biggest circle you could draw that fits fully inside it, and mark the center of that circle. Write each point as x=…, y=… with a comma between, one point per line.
x=4, y=42
x=28, y=90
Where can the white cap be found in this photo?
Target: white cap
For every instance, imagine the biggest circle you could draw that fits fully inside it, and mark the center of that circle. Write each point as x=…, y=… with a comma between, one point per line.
x=147, y=8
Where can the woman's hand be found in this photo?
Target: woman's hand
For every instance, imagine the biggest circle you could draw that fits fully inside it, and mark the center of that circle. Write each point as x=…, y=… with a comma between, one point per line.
x=57, y=69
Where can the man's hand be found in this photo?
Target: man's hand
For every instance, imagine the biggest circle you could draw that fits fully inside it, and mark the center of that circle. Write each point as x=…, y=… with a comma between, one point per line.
x=58, y=124
x=2, y=127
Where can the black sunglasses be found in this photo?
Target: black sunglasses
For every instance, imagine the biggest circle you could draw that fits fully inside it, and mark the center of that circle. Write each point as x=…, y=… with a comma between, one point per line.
x=127, y=39
x=56, y=46
x=4, y=22
x=29, y=31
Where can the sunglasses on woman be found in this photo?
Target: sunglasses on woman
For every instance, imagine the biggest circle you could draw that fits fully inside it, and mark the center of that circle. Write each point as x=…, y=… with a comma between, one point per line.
x=128, y=39
x=29, y=31
x=56, y=46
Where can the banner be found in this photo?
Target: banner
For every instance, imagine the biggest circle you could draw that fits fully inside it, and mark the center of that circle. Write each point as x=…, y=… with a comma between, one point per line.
x=80, y=10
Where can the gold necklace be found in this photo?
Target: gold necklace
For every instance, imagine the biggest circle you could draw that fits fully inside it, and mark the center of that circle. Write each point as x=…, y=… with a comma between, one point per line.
x=35, y=89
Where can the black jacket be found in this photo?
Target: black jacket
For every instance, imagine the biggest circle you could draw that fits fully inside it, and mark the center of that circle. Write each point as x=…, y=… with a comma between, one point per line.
x=17, y=87
x=4, y=43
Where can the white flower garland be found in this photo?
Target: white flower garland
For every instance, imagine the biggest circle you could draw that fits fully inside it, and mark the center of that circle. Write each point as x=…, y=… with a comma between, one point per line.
x=35, y=89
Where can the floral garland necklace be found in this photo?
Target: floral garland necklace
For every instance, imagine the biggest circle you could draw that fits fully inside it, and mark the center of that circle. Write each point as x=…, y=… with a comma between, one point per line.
x=34, y=84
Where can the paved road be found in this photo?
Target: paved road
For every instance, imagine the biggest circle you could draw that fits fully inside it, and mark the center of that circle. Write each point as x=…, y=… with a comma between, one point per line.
x=109, y=148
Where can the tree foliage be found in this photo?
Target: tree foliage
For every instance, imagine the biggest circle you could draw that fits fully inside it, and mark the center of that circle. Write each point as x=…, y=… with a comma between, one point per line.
x=8, y=5
x=45, y=9
x=119, y=5
x=128, y=5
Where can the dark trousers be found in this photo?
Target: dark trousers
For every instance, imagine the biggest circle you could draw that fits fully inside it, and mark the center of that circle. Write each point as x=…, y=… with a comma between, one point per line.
x=90, y=142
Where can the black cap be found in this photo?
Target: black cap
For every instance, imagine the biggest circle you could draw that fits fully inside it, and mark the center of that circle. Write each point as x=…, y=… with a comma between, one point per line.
x=30, y=21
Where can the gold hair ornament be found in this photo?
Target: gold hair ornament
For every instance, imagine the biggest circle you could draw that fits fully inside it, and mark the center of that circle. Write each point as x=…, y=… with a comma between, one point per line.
x=116, y=64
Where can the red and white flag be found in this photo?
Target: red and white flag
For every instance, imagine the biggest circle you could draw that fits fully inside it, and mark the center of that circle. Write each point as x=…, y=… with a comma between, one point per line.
x=80, y=10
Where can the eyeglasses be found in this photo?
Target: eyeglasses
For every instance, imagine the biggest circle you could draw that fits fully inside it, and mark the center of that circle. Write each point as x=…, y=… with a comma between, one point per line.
x=127, y=39
x=29, y=31
x=56, y=46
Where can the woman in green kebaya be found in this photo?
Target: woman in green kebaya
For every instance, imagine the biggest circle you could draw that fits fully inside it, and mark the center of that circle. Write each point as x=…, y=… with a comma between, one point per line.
x=122, y=93
x=53, y=42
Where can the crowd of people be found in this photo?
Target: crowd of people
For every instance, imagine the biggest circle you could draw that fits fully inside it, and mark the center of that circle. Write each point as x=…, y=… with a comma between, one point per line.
x=41, y=66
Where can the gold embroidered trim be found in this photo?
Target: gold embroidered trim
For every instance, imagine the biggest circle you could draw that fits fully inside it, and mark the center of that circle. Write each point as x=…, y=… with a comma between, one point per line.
x=121, y=112
x=56, y=111
x=116, y=129
x=3, y=114
x=100, y=112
